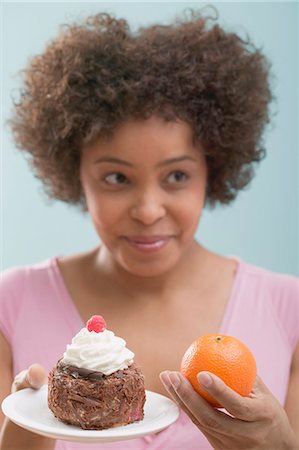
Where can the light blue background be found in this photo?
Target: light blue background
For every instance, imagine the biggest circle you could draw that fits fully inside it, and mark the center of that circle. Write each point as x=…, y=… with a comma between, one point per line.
x=261, y=226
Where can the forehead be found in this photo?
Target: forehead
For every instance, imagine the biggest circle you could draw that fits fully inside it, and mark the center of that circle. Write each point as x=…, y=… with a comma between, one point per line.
x=143, y=136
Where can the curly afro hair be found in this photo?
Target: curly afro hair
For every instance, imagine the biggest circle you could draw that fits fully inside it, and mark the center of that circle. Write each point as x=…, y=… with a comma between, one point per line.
x=98, y=74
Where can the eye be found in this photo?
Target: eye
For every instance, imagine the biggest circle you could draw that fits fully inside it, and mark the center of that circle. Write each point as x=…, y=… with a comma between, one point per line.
x=177, y=177
x=116, y=178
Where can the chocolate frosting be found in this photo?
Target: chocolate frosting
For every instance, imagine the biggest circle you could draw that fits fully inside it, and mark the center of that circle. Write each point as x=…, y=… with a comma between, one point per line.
x=80, y=372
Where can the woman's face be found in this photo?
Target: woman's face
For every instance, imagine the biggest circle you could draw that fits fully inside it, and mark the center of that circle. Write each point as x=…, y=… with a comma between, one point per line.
x=145, y=190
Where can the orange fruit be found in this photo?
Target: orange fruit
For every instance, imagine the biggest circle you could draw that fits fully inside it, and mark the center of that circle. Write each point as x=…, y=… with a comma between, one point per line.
x=225, y=356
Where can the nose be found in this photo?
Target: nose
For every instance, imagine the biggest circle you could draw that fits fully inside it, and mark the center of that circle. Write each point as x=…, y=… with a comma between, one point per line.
x=148, y=207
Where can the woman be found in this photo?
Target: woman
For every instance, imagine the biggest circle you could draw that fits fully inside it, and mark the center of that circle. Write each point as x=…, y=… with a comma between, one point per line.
x=142, y=131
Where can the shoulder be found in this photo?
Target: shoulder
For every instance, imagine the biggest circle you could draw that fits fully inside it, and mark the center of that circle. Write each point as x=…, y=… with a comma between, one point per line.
x=278, y=284
x=19, y=285
x=15, y=278
x=279, y=291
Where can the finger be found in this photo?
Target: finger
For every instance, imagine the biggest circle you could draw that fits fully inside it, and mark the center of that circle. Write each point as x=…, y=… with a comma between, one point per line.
x=33, y=377
x=259, y=389
x=200, y=412
x=245, y=408
x=164, y=377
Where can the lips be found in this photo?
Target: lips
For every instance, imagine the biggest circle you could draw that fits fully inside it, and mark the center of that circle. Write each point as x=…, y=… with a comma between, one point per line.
x=147, y=239
x=148, y=243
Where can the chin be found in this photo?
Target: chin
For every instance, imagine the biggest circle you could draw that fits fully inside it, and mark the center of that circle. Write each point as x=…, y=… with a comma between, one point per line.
x=149, y=269
x=147, y=273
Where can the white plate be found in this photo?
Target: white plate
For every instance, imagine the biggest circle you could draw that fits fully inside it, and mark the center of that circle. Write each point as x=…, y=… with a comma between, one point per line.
x=29, y=409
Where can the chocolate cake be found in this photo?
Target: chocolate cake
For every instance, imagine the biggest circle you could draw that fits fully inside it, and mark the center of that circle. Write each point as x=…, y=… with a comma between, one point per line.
x=95, y=401
x=88, y=397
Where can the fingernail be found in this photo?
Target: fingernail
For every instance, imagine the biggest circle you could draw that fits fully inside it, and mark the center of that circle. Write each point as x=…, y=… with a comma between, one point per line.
x=175, y=380
x=205, y=379
x=164, y=377
x=28, y=377
x=33, y=382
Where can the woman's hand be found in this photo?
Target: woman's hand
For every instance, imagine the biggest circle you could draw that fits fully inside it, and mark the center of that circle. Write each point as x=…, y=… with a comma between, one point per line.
x=257, y=422
x=12, y=436
x=33, y=377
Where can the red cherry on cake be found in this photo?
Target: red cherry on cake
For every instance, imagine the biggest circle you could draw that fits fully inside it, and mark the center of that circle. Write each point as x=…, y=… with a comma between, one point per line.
x=96, y=323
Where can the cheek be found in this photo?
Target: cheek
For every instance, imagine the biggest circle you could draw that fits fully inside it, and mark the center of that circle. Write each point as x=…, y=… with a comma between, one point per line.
x=105, y=212
x=193, y=208
x=186, y=212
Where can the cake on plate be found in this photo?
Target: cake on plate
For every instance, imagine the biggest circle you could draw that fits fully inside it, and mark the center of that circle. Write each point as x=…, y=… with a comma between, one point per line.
x=96, y=384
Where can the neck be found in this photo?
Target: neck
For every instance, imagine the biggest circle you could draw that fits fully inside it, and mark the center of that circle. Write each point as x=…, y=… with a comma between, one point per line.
x=137, y=286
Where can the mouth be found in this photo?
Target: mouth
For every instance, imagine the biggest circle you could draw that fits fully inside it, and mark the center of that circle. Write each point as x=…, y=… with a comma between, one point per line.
x=148, y=243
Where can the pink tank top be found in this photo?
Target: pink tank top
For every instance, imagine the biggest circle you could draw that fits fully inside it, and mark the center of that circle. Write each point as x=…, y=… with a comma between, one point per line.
x=263, y=311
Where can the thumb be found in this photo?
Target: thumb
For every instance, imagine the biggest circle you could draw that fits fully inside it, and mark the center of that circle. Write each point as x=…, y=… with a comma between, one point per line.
x=33, y=377
x=259, y=388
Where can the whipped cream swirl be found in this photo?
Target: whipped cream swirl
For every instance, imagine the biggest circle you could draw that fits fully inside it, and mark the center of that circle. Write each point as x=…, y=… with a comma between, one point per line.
x=102, y=352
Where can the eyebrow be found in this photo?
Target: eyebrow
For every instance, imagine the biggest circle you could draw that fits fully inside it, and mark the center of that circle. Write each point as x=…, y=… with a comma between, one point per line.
x=112, y=159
